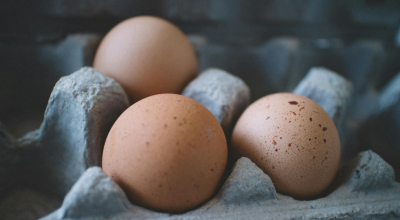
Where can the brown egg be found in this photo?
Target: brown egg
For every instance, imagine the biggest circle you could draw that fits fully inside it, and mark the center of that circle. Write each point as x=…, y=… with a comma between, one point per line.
x=293, y=140
x=168, y=153
x=147, y=56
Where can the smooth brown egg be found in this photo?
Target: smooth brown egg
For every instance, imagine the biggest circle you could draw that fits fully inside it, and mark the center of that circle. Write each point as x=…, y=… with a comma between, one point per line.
x=293, y=140
x=168, y=153
x=147, y=56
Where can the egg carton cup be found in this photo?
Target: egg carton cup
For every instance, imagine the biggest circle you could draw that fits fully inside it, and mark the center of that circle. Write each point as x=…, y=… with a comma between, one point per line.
x=55, y=171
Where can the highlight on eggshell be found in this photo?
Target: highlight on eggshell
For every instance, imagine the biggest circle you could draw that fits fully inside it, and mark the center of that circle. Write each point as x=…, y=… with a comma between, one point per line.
x=147, y=55
x=167, y=152
x=293, y=140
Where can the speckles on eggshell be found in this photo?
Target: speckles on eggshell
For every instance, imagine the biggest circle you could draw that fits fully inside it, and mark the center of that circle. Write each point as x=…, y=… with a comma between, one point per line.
x=161, y=140
x=296, y=148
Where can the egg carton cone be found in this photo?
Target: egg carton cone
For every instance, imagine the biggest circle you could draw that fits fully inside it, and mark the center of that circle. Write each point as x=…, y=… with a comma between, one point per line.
x=60, y=162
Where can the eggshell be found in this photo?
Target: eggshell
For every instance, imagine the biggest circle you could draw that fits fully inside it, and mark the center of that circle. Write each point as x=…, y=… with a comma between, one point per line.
x=168, y=153
x=147, y=56
x=293, y=140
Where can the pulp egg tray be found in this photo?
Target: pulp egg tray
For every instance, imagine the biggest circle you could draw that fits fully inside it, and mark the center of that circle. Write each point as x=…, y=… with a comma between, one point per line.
x=60, y=161
x=54, y=172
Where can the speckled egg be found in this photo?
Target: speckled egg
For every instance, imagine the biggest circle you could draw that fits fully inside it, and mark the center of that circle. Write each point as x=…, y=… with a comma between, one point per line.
x=293, y=140
x=167, y=152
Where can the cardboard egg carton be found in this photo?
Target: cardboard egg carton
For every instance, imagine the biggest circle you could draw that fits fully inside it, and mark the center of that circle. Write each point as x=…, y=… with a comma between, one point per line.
x=61, y=160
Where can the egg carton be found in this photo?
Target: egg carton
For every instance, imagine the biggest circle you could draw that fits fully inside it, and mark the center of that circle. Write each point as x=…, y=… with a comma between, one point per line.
x=61, y=160
x=273, y=65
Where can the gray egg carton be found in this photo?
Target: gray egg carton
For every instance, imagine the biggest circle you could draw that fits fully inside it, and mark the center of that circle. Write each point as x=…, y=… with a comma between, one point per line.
x=61, y=160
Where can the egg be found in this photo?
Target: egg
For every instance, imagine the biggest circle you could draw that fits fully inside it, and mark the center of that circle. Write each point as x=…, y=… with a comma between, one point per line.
x=167, y=152
x=293, y=140
x=147, y=56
